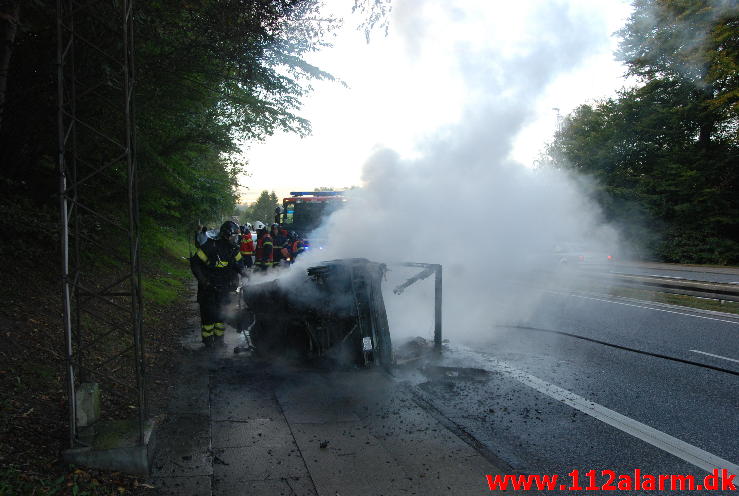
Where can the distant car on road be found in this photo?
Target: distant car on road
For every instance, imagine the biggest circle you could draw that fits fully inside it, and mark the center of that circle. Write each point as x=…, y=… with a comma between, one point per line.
x=576, y=255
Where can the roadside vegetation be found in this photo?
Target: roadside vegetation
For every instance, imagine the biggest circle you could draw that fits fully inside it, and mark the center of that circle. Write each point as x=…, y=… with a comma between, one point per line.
x=663, y=153
x=261, y=210
x=209, y=75
x=33, y=411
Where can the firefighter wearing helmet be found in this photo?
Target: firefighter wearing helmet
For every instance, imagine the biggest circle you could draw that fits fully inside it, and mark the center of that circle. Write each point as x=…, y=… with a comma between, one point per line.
x=217, y=265
x=247, y=245
x=279, y=239
x=263, y=250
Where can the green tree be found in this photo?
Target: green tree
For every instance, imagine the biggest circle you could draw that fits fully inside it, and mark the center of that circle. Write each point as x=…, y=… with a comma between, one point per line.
x=264, y=208
x=273, y=198
x=693, y=44
x=210, y=73
x=664, y=153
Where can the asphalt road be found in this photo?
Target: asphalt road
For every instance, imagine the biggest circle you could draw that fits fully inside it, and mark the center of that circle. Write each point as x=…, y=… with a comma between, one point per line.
x=513, y=389
x=695, y=273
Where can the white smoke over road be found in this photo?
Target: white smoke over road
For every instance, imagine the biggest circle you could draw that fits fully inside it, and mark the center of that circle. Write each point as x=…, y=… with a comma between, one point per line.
x=461, y=200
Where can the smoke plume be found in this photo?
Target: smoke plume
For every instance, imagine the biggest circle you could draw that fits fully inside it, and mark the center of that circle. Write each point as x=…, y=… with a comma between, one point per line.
x=461, y=200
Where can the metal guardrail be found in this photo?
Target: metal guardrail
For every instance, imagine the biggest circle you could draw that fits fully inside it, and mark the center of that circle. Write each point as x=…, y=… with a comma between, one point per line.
x=701, y=289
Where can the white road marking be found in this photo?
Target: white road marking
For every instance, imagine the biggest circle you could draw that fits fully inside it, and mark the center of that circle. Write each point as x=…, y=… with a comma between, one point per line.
x=659, y=276
x=716, y=356
x=736, y=322
x=691, y=454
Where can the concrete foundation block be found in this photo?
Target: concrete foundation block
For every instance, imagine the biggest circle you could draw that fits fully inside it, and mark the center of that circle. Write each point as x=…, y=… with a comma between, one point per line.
x=115, y=445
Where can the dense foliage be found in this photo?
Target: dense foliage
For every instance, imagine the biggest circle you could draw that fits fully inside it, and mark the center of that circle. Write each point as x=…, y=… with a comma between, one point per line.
x=665, y=153
x=209, y=75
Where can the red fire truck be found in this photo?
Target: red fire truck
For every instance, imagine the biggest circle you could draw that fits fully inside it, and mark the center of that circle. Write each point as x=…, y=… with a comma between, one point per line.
x=303, y=212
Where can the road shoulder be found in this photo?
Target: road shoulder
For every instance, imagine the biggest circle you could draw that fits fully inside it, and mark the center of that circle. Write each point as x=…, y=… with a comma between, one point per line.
x=238, y=425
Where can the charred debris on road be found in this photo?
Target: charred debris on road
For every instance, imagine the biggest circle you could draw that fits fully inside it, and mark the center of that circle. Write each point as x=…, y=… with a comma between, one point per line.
x=334, y=311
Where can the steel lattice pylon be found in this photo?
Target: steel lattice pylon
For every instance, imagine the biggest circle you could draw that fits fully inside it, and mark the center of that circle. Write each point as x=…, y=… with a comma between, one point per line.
x=97, y=176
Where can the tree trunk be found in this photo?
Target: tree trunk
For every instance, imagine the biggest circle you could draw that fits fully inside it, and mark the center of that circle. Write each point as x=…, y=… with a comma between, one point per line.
x=9, y=19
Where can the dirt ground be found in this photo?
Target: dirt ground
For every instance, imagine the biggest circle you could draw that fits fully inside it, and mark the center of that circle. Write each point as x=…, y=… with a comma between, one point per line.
x=33, y=420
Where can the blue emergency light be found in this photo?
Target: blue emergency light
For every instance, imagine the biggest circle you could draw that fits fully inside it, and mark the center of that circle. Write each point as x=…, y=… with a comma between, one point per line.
x=315, y=193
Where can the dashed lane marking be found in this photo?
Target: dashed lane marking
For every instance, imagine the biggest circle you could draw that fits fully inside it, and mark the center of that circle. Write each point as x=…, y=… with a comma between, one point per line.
x=691, y=454
x=716, y=356
x=735, y=322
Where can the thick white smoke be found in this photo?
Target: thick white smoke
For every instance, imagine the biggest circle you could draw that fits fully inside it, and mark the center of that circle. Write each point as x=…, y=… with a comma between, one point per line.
x=461, y=200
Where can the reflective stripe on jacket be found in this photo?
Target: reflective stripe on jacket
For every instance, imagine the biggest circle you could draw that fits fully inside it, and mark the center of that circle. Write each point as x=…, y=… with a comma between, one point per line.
x=247, y=245
x=217, y=263
x=264, y=250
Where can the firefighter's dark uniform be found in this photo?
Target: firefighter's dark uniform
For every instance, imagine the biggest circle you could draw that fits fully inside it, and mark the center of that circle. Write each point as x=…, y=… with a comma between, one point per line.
x=279, y=243
x=296, y=248
x=216, y=265
x=264, y=251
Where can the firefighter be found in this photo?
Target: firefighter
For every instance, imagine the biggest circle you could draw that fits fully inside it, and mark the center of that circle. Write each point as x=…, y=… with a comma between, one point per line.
x=247, y=246
x=279, y=245
x=217, y=265
x=259, y=229
x=258, y=247
x=201, y=236
x=274, y=233
x=286, y=244
x=264, y=251
x=296, y=246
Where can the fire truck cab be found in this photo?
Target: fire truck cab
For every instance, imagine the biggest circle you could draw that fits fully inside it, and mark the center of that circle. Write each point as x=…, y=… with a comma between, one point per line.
x=303, y=211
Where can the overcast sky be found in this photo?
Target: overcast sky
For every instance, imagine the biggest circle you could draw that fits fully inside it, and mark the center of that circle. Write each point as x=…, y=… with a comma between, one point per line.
x=399, y=94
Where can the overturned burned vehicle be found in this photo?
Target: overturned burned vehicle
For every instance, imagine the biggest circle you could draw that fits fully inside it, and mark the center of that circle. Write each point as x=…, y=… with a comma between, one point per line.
x=335, y=311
